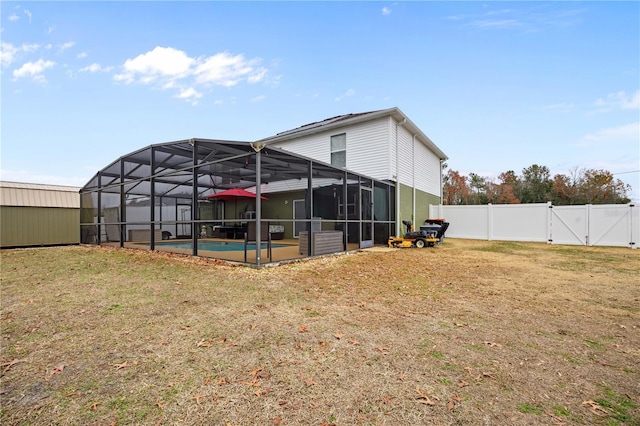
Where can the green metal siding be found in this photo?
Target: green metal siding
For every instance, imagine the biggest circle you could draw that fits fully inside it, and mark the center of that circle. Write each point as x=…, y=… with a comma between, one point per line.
x=406, y=205
x=38, y=226
x=280, y=206
x=423, y=200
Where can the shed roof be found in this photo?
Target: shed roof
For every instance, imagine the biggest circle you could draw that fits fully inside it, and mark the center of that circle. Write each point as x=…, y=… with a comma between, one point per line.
x=38, y=195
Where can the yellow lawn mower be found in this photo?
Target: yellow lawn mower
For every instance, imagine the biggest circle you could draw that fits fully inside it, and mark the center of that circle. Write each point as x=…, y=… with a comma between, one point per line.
x=427, y=236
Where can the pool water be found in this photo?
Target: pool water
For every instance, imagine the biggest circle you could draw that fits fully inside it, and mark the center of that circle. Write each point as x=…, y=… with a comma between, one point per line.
x=217, y=245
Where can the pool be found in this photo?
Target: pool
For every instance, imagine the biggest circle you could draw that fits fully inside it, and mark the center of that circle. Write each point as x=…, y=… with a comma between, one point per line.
x=217, y=245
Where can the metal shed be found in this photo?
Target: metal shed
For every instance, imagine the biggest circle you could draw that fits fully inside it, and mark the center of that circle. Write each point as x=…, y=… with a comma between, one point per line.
x=38, y=215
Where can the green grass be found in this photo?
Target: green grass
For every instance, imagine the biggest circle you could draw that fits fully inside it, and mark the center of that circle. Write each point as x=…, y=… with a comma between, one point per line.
x=594, y=344
x=560, y=411
x=529, y=409
x=502, y=247
x=573, y=360
x=188, y=327
x=619, y=407
x=437, y=354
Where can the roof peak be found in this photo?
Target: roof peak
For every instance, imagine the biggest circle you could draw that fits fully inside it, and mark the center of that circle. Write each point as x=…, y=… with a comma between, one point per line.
x=326, y=122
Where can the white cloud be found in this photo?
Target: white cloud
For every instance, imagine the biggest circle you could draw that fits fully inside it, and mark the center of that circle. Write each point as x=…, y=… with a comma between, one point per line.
x=499, y=12
x=386, y=11
x=562, y=107
x=172, y=69
x=224, y=69
x=633, y=103
x=160, y=63
x=34, y=70
x=28, y=13
x=30, y=48
x=346, y=94
x=66, y=46
x=7, y=53
x=13, y=18
x=527, y=19
x=190, y=94
x=93, y=68
x=82, y=55
x=617, y=101
x=274, y=81
x=622, y=100
x=257, y=76
x=258, y=99
x=501, y=23
x=613, y=135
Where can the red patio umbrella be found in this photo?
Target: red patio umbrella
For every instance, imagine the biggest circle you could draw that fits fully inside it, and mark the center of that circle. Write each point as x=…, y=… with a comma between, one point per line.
x=234, y=194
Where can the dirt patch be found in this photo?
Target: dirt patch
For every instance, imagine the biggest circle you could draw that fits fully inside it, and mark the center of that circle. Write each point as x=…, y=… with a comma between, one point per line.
x=469, y=332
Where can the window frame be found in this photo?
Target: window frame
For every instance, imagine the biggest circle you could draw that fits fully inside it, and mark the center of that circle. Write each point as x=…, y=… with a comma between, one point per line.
x=341, y=150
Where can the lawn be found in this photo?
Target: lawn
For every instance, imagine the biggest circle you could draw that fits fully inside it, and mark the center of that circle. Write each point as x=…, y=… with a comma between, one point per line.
x=469, y=332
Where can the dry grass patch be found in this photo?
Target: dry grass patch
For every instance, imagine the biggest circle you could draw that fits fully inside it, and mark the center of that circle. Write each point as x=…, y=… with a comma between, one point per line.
x=469, y=332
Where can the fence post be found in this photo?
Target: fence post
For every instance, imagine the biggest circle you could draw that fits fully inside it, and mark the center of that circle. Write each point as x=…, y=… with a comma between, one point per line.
x=489, y=222
x=586, y=237
x=632, y=243
x=549, y=223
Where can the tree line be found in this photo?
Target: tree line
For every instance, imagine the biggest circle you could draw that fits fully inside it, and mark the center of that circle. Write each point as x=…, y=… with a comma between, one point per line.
x=535, y=185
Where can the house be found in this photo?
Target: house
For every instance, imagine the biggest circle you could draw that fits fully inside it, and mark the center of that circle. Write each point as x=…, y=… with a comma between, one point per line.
x=385, y=145
x=325, y=187
x=38, y=215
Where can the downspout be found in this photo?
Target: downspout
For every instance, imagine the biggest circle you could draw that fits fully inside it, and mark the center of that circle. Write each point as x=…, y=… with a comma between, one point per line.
x=413, y=181
x=398, y=218
x=441, y=186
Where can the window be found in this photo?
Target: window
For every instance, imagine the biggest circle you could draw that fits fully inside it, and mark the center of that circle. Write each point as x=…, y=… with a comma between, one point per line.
x=339, y=150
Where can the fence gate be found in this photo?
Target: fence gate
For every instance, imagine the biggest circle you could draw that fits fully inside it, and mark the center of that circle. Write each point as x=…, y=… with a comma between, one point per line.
x=569, y=225
x=609, y=224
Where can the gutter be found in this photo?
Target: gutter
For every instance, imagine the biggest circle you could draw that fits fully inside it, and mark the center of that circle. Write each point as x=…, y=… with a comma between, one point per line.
x=398, y=212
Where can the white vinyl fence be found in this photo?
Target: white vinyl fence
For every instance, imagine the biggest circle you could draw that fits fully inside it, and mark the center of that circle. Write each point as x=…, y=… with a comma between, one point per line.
x=589, y=225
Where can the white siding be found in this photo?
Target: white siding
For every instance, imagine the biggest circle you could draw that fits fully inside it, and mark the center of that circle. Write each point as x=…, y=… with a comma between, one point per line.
x=392, y=149
x=427, y=169
x=294, y=185
x=371, y=151
x=367, y=147
x=405, y=157
x=419, y=166
x=316, y=146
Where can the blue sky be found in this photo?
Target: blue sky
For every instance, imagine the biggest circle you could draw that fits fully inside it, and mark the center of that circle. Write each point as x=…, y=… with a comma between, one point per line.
x=496, y=85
